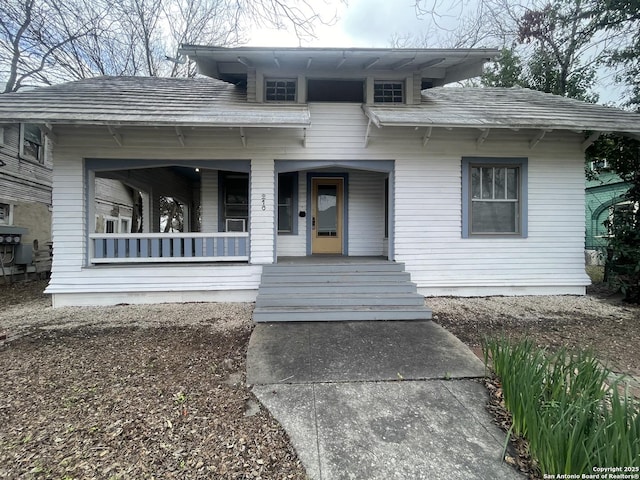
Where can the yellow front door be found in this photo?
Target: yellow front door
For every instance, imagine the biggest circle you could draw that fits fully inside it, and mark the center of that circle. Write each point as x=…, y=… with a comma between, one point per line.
x=327, y=215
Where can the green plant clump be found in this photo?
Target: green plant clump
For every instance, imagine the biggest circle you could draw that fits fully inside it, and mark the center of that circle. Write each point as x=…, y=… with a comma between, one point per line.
x=572, y=419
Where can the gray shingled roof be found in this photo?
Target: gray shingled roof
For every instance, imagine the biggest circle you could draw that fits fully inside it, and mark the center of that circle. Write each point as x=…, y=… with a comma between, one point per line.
x=210, y=102
x=504, y=108
x=147, y=101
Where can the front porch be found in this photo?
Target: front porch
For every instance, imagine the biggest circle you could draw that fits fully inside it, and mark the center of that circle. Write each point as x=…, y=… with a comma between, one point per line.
x=210, y=212
x=154, y=231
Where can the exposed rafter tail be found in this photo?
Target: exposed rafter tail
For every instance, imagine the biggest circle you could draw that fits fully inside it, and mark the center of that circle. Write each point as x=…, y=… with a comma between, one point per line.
x=180, y=136
x=427, y=136
x=483, y=136
x=535, y=140
x=116, y=136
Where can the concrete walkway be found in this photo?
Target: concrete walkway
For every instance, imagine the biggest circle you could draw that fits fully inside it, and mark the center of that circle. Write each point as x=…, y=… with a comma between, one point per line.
x=377, y=400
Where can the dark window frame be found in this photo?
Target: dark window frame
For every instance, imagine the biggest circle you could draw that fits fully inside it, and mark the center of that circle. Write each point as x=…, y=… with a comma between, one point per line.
x=389, y=91
x=468, y=163
x=293, y=216
x=283, y=90
x=224, y=205
x=30, y=143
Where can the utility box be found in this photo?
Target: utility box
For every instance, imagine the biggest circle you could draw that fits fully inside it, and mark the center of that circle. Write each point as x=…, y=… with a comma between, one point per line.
x=23, y=254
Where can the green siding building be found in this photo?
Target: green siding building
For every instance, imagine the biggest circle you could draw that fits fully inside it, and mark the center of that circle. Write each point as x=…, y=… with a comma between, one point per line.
x=601, y=195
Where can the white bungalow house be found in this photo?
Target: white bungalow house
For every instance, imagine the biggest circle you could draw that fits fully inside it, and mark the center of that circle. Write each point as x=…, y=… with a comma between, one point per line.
x=285, y=154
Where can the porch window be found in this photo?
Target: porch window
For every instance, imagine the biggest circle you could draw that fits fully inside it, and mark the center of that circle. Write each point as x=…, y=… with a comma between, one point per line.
x=280, y=90
x=494, y=197
x=31, y=142
x=235, y=200
x=388, y=92
x=287, y=202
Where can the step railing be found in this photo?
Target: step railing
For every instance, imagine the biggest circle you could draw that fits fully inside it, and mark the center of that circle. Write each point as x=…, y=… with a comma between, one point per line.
x=169, y=247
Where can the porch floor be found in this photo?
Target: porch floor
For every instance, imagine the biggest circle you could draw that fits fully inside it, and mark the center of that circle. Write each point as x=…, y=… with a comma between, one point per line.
x=329, y=260
x=330, y=288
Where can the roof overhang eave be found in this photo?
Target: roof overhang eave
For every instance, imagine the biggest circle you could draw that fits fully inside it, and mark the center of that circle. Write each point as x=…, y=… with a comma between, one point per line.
x=586, y=128
x=119, y=123
x=380, y=122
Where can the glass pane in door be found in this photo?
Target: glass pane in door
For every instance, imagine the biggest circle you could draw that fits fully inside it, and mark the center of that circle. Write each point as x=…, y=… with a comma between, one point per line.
x=327, y=211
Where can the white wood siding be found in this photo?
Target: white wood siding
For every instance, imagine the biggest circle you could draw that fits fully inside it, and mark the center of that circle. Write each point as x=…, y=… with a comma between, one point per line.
x=428, y=222
x=209, y=205
x=427, y=204
x=69, y=218
x=261, y=210
x=366, y=213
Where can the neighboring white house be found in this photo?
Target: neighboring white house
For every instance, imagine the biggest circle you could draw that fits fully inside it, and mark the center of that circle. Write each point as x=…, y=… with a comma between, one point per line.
x=289, y=152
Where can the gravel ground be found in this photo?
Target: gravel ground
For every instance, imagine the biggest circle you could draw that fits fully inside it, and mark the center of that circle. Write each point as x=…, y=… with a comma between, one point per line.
x=159, y=391
x=599, y=321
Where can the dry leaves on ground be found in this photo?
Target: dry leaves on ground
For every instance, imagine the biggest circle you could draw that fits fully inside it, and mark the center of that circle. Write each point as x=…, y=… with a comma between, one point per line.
x=106, y=401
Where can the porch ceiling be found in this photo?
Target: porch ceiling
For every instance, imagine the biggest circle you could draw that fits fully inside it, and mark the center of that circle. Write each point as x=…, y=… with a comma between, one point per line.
x=148, y=101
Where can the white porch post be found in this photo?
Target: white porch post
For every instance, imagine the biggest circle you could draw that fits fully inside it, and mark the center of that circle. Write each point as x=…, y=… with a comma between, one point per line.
x=146, y=212
x=154, y=211
x=209, y=200
x=261, y=212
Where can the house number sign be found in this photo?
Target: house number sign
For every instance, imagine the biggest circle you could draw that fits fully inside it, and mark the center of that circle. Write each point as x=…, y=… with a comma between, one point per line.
x=264, y=202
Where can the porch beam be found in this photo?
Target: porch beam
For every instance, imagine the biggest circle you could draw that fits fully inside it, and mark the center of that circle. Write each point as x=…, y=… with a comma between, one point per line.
x=243, y=138
x=116, y=136
x=590, y=140
x=366, y=135
x=483, y=136
x=180, y=136
x=427, y=136
x=539, y=136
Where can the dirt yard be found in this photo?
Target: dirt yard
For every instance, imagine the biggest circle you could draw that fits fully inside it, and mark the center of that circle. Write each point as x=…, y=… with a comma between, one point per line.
x=132, y=393
x=159, y=391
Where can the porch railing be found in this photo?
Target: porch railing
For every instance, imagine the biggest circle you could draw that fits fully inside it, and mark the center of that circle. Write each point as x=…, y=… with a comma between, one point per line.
x=169, y=247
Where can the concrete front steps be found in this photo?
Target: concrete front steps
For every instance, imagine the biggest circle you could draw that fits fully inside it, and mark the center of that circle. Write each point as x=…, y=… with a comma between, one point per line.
x=338, y=291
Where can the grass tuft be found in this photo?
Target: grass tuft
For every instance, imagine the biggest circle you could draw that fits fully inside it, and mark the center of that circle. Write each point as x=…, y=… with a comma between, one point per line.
x=563, y=406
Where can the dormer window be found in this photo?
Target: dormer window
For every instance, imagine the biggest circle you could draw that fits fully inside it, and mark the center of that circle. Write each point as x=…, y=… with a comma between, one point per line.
x=388, y=92
x=280, y=90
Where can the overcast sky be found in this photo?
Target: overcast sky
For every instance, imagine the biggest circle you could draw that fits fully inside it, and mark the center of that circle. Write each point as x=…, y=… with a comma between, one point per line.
x=363, y=23
x=373, y=24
